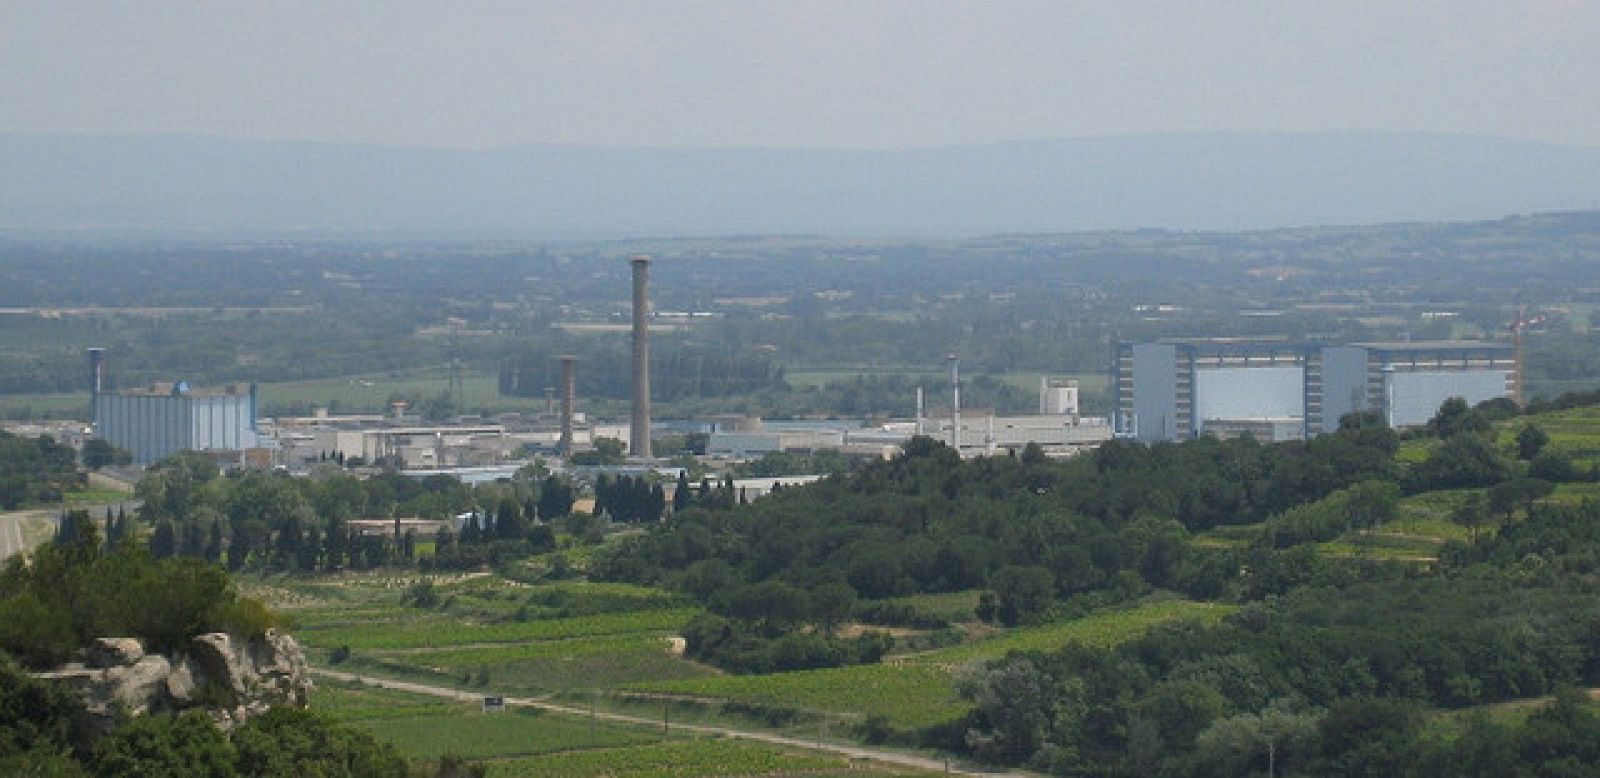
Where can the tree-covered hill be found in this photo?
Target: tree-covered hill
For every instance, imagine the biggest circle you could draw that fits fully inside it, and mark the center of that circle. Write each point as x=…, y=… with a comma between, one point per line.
x=1338, y=657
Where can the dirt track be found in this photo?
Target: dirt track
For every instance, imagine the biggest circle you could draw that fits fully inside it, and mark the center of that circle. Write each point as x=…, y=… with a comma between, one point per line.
x=852, y=752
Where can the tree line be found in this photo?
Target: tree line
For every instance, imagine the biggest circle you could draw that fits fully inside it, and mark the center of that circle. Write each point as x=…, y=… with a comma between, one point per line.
x=270, y=521
x=35, y=470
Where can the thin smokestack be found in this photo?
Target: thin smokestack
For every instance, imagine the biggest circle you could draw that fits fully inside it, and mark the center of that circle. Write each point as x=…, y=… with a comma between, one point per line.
x=919, y=410
x=97, y=370
x=569, y=394
x=97, y=379
x=955, y=402
x=639, y=429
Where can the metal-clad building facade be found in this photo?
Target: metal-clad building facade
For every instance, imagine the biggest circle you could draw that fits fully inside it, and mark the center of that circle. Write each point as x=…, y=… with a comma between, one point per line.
x=154, y=423
x=1171, y=390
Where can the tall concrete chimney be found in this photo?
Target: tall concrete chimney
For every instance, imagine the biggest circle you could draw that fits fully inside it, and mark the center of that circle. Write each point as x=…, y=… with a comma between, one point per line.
x=639, y=428
x=569, y=394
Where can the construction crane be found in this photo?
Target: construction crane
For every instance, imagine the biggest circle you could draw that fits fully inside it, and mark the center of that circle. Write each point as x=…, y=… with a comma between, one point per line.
x=1520, y=323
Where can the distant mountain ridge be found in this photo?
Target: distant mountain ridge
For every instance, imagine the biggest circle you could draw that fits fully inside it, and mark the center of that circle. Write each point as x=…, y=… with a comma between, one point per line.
x=1209, y=181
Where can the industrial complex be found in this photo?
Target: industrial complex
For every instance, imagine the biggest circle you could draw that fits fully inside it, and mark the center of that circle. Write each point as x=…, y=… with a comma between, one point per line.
x=1162, y=390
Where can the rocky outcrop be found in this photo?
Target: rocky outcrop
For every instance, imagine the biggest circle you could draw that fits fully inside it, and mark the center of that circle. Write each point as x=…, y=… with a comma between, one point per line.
x=231, y=679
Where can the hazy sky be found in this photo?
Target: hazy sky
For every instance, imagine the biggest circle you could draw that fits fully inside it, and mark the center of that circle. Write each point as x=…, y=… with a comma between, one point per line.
x=851, y=74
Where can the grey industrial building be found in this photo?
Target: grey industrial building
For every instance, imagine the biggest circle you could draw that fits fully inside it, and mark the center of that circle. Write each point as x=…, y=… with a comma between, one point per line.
x=164, y=419
x=1279, y=390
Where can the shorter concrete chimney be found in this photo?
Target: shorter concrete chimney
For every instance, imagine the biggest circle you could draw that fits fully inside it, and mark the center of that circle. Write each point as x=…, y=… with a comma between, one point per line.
x=569, y=394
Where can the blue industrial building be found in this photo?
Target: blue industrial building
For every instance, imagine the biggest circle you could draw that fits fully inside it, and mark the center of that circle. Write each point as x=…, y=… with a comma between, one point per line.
x=1279, y=390
x=164, y=419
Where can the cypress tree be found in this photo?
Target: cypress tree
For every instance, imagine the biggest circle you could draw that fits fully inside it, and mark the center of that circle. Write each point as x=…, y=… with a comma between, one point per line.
x=213, y=552
x=680, y=495
x=508, y=520
x=658, y=503
x=193, y=540
x=164, y=543
x=311, y=549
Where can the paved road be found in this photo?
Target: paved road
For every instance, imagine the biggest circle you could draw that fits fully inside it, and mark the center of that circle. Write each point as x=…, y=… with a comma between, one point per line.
x=853, y=752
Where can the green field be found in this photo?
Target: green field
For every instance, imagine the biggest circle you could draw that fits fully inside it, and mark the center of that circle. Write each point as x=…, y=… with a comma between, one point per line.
x=909, y=695
x=1428, y=515
x=487, y=630
x=529, y=742
x=916, y=691
x=515, y=732
x=431, y=631
x=1101, y=630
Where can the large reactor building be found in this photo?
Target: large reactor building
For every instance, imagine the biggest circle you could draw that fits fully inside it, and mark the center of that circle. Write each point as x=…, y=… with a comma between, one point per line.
x=1277, y=390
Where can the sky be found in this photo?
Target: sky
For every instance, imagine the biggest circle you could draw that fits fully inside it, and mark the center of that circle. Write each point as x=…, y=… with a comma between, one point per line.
x=813, y=74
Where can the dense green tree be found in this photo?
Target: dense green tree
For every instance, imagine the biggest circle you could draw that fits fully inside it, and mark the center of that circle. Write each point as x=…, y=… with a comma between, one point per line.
x=1455, y=417
x=1462, y=461
x=164, y=541
x=67, y=597
x=213, y=549
x=555, y=498
x=1013, y=701
x=1554, y=466
x=1367, y=737
x=831, y=605
x=175, y=487
x=98, y=453
x=176, y=746
x=1021, y=593
x=35, y=470
x=191, y=539
x=1371, y=503
x=1505, y=498
x=1471, y=513
x=335, y=542
x=1277, y=740
x=680, y=493
x=1531, y=440
x=40, y=721
x=508, y=522
x=774, y=605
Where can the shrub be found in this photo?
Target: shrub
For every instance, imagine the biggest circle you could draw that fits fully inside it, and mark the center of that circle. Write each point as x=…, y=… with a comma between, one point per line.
x=68, y=596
